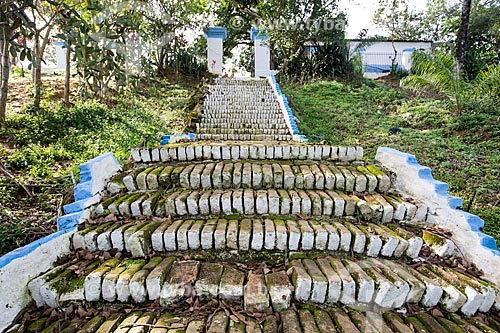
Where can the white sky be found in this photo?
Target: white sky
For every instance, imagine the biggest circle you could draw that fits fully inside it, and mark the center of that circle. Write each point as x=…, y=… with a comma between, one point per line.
x=360, y=14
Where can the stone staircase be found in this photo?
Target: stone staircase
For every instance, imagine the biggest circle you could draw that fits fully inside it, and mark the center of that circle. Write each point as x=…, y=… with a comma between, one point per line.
x=312, y=237
x=242, y=109
x=256, y=236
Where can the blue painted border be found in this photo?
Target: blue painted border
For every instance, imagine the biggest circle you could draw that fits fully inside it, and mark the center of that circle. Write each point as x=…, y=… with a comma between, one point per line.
x=289, y=112
x=82, y=193
x=65, y=223
x=169, y=138
x=27, y=249
x=216, y=32
x=379, y=68
x=441, y=189
x=256, y=34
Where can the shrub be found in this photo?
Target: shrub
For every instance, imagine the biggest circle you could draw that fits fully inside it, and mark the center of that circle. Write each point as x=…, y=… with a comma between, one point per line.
x=488, y=83
x=437, y=72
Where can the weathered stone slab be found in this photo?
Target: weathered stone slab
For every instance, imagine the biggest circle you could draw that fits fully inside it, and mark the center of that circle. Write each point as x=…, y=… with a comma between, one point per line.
x=301, y=281
x=219, y=323
x=208, y=281
x=231, y=284
x=155, y=279
x=256, y=296
x=290, y=322
x=181, y=276
x=280, y=290
x=334, y=281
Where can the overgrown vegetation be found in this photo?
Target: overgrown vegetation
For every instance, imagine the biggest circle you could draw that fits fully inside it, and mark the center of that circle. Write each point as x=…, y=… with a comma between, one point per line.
x=462, y=151
x=40, y=149
x=439, y=72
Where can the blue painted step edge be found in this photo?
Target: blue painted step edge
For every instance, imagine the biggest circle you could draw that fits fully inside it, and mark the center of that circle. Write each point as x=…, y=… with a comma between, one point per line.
x=27, y=249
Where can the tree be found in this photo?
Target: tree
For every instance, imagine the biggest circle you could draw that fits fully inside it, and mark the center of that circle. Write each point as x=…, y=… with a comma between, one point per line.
x=43, y=14
x=294, y=28
x=12, y=18
x=483, y=46
x=400, y=21
x=463, y=33
x=164, y=23
x=94, y=35
x=438, y=21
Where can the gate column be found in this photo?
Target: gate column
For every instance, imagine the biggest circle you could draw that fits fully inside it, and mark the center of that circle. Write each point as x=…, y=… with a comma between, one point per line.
x=215, y=37
x=262, y=51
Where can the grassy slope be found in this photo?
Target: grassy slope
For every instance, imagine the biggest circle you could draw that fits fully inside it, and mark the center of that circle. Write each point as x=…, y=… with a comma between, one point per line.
x=463, y=152
x=43, y=147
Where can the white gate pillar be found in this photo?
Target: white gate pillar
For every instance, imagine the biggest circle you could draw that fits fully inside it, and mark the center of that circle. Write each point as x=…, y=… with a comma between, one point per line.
x=262, y=53
x=407, y=58
x=215, y=37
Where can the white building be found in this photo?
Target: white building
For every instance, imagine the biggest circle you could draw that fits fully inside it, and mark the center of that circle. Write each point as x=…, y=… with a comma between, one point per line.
x=378, y=57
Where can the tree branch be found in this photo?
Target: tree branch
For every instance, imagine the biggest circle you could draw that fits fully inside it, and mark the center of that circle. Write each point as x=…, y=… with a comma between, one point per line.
x=6, y=172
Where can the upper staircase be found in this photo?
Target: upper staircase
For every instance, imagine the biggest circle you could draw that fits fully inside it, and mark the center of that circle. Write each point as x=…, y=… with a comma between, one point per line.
x=242, y=109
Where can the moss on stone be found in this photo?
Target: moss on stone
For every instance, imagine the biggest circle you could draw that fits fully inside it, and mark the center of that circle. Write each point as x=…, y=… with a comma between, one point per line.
x=375, y=170
x=74, y=284
x=36, y=326
x=432, y=239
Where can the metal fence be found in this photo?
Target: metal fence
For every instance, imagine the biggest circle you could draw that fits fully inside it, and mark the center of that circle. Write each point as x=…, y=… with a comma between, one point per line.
x=380, y=62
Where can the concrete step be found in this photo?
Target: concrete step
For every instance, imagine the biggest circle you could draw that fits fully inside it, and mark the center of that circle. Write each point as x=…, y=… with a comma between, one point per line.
x=257, y=123
x=242, y=131
x=273, y=234
x=228, y=116
x=248, y=202
x=240, y=107
x=111, y=319
x=209, y=151
x=328, y=281
x=386, y=284
x=287, y=175
x=243, y=137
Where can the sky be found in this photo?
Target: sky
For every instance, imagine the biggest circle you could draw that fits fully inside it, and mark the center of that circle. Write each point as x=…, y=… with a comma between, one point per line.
x=360, y=13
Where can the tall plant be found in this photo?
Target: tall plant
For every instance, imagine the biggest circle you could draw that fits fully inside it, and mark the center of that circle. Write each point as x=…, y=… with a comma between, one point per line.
x=438, y=72
x=13, y=23
x=487, y=83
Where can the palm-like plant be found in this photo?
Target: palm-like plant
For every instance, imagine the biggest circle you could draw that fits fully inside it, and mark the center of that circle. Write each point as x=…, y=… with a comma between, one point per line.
x=438, y=72
x=488, y=82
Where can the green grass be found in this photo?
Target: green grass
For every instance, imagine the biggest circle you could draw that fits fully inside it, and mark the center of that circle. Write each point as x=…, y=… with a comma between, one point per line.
x=43, y=147
x=463, y=152
x=46, y=143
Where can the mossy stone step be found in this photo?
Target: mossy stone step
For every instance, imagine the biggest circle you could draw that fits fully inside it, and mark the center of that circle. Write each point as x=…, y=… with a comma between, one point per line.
x=324, y=280
x=212, y=151
x=244, y=137
x=303, y=320
x=258, y=175
x=275, y=234
x=249, y=202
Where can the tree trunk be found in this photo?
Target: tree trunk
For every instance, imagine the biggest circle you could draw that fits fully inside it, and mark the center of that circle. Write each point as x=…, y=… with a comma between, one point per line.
x=394, y=63
x=5, y=64
x=463, y=33
x=37, y=72
x=67, y=75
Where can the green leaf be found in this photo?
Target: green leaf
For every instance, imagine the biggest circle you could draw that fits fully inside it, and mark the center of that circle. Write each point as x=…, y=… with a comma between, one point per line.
x=14, y=37
x=53, y=3
x=13, y=51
